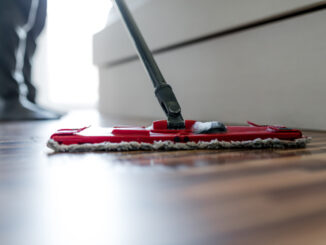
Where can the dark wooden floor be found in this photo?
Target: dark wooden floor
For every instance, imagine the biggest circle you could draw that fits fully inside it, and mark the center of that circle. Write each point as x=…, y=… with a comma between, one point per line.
x=185, y=197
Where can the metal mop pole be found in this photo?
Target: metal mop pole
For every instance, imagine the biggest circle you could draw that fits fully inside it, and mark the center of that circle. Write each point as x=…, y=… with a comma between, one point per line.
x=163, y=91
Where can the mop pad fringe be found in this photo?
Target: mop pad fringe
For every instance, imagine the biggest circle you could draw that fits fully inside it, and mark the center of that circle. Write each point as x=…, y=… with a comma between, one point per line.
x=170, y=145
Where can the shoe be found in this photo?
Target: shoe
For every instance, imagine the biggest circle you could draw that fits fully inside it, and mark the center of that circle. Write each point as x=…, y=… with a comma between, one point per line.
x=21, y=109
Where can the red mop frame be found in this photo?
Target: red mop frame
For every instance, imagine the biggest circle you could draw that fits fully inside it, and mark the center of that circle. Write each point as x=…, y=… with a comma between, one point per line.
x=160, y=132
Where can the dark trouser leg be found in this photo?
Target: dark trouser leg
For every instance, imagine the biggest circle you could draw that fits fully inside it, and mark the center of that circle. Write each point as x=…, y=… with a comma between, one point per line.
x=32, y=36
x=17, y=19
x=27, y=70
x=11, y=16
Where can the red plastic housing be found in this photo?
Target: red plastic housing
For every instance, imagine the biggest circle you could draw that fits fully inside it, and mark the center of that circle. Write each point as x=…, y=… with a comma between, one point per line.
x=160, y=132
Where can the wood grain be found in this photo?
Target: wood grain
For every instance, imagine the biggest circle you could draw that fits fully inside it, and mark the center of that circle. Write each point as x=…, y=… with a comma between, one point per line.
x=176, y=197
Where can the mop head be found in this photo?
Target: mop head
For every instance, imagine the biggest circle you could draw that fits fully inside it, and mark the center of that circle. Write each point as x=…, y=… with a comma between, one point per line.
x=196, y=136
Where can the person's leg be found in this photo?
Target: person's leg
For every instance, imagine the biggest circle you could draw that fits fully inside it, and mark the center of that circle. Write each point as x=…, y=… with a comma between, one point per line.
x=31, y=45
x=10, y=17
x=27, y=70
x=32, y=36
x=16, y=20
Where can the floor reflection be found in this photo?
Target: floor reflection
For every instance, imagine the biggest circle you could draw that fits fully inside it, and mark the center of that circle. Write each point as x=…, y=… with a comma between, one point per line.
x=90, y=202
x=79, y=198
x=194, y=158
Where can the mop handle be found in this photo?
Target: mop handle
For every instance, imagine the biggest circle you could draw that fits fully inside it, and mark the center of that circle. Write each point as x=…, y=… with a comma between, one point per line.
x=163, y=91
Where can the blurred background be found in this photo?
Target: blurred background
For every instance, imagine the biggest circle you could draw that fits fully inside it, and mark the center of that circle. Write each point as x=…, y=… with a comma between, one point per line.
x=231, y=61
x=64, y=72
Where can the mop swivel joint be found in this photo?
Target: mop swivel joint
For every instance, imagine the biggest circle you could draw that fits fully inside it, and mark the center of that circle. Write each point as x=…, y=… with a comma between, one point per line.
x=170, y=106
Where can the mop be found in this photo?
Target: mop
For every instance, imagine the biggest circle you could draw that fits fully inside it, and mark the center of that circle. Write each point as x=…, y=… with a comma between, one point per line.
x=175, y=133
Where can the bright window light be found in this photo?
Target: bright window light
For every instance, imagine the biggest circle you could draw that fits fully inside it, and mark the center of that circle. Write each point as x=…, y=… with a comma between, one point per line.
x=72, y=77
